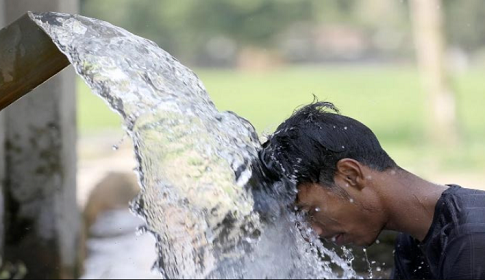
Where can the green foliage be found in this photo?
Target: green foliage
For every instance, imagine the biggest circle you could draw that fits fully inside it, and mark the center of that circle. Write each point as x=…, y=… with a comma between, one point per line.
x=184, y=28
x=9, y=270
x=464, y=23
x=249, y=22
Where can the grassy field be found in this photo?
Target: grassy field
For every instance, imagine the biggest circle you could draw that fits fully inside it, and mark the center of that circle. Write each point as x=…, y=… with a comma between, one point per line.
x=387, y=99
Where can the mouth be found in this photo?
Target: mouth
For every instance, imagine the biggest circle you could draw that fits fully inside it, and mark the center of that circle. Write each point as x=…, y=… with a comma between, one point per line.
x=338, y=239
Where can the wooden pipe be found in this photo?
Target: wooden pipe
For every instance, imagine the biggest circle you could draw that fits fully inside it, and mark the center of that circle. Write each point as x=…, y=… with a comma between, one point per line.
x=28, y=58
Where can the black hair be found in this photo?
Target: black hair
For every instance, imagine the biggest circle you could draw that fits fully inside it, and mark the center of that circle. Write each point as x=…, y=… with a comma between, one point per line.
x=307, y=146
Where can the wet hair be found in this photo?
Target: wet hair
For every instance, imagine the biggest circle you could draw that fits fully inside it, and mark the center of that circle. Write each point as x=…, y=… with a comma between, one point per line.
x=307, y=146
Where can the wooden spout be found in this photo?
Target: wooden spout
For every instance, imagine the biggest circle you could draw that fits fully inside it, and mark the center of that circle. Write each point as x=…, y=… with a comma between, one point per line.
x=28, y=58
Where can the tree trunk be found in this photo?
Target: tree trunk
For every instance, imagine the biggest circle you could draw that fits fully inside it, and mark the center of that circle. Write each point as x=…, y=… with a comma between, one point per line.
x=442, y=125
x=2, y=152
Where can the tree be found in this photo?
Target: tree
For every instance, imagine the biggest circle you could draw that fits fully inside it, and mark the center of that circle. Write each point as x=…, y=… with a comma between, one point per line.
x=430, y=50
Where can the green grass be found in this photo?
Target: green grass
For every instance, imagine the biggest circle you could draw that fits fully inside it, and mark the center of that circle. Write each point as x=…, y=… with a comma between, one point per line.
x=387, y=99
x=93, y=113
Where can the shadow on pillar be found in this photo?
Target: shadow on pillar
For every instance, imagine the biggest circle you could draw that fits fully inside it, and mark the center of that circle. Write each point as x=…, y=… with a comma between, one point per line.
x=41, y=216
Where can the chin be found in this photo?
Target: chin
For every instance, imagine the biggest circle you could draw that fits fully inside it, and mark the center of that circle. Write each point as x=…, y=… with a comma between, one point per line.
x=360, y=244
x=365, y=243
x=370, y=243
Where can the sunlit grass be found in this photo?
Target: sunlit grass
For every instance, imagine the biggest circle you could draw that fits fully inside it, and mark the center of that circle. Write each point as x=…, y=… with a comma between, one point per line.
x=387, y=99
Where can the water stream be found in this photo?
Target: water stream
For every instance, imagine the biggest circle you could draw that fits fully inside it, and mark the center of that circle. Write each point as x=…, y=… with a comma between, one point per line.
x=204, y=197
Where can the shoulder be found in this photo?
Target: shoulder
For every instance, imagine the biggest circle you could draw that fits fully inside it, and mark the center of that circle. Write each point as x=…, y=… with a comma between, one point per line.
x=463, y=235
x=457, y=235
x=462, y=206
x=464, y=254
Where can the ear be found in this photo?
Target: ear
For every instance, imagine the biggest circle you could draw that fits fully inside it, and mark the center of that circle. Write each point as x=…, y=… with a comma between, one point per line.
x=349, y=173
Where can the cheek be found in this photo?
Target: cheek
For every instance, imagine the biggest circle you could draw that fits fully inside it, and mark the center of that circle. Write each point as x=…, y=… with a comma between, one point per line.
x=349, y=217
x=346, y=211
x=360, y=218
x=364, y=225
x=331, y=215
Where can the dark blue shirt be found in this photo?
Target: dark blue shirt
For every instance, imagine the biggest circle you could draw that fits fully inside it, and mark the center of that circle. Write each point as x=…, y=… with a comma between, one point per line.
x=454, y=247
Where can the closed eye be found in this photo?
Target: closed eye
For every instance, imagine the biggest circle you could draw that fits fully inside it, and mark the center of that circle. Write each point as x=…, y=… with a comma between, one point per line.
x=303, y=206
x=308, y=212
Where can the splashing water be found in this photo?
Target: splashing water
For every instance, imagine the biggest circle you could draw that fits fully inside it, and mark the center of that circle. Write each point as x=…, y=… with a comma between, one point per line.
x=368, y=264
x=203, y=193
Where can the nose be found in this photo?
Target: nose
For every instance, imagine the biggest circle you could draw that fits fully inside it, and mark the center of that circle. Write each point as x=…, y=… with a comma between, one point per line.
x=317, y=229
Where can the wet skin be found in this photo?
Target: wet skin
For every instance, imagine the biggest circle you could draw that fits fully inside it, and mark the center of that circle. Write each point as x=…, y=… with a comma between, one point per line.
x=337, y=217
x=362, y=202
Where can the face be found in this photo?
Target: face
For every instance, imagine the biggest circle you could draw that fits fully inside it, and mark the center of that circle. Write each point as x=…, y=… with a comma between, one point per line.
x=340, y=215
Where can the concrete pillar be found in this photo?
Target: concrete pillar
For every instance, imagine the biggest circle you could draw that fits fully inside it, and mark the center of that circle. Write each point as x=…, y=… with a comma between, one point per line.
x=2, y=147
x=42, y=219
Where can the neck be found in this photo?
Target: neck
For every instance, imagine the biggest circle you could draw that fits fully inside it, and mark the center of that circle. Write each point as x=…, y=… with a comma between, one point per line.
x=410, y=202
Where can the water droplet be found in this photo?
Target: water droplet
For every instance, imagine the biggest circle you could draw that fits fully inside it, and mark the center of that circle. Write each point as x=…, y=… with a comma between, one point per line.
x=141, y=230
x=345, y=128
x=368, y=264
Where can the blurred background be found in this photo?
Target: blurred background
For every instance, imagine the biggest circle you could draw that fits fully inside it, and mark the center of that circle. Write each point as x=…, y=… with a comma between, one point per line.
x=411, y=70
x=413, y=74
